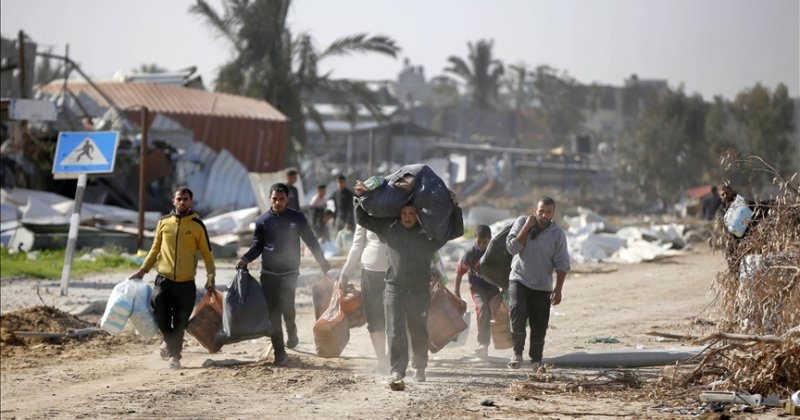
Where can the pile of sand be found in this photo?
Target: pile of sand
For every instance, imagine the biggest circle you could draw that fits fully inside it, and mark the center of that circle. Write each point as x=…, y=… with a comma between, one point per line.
x=37, y=319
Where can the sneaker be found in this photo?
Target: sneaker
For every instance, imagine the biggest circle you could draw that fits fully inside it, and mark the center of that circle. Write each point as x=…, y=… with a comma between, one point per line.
x=396, y=382
x=514, y=362
x=292, y=341
x=174, y=363
x=281, y=358
x=536, y=365
x=164, y=351
x=482, y=351
x=419, y=375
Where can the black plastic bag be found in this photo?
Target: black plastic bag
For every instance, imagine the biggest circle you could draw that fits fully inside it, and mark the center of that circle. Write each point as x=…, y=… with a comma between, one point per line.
x=495, y=265
x=387, y=200
x=420, y=185
x=433, y=203
x=244, y=310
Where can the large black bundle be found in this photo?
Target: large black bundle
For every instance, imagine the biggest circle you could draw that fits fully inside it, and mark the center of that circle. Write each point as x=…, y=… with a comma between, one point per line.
x=420, y=185
x=495, y=265
x=387, y=199
x=244, y=310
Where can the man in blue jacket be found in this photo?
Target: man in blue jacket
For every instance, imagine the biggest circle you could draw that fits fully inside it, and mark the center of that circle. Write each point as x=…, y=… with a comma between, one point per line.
x=407, y=297
x=277, y=240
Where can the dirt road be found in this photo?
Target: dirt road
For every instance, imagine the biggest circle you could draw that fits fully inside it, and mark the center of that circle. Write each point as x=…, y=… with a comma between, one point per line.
x=122, y=377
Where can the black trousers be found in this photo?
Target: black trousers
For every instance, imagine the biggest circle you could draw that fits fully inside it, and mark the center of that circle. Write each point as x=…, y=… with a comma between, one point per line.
x=532, y=306
x=372, y=287
x=406, y=310
x=481, y=296
x=279, y=290
x=172, y=306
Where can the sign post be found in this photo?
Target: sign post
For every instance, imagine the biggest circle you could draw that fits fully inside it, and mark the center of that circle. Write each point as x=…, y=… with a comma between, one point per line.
x=81, y=153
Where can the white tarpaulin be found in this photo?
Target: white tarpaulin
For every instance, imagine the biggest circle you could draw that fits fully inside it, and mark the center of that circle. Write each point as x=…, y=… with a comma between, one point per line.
x=232, y=222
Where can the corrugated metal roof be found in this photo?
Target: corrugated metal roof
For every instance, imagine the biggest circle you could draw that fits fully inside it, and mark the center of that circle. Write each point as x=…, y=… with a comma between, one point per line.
x=175, y=100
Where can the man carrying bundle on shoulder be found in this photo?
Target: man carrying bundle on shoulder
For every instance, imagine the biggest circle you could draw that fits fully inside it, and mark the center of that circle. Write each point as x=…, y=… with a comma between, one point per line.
x=407, y=292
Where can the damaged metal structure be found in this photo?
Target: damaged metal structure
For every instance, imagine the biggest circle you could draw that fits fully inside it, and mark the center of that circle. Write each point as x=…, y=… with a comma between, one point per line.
x=172, y=131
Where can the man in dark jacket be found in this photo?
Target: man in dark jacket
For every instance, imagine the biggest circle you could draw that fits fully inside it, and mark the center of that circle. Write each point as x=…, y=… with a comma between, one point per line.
x=711, y=203
x=343, y=203
x=294, y=196
x=277, y=240
x=406, y=297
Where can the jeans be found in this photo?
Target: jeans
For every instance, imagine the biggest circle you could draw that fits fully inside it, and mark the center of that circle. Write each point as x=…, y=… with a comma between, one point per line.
x=481, y=296
x=532, y=306
x=172, y=304
x=279, y=290
x=372, y=287
x=406, y=309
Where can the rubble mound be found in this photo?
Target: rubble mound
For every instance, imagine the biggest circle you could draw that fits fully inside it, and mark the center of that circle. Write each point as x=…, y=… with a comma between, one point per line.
x=37, y=319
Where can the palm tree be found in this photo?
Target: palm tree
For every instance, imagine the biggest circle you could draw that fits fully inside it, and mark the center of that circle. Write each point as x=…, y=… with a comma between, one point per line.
x=480, y=72
x=272, y=63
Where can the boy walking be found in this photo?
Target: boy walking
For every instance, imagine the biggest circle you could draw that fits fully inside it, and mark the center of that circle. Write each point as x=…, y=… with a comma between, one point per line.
x=481, y=290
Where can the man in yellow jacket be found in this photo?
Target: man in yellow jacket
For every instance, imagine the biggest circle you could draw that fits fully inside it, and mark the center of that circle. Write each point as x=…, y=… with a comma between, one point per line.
x=179, y=236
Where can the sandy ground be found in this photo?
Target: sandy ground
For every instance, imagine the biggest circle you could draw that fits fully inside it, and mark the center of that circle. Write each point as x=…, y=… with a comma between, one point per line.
x=107, y=377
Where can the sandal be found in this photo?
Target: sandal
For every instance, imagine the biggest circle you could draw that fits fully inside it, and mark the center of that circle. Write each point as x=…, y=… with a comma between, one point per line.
x=514, y=362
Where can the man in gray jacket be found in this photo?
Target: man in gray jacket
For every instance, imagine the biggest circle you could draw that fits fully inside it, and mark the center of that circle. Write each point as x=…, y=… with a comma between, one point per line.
x=539, y=247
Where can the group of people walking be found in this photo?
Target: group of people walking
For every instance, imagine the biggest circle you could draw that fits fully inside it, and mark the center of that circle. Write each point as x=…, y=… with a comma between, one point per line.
x=394, y=255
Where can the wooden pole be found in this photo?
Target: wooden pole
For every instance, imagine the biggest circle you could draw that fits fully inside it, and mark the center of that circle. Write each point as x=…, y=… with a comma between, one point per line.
x=142, y=186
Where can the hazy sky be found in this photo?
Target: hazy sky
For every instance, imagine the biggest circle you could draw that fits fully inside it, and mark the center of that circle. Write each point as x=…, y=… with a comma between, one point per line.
x=709, y=46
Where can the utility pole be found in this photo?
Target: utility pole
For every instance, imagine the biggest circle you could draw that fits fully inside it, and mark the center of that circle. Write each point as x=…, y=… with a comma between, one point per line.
x=142, y=184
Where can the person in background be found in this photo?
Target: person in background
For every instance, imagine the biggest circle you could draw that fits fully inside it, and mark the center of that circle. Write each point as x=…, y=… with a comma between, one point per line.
x=373, y=256
x=318, y=205
x=344, y=239
x=343, y=203
x=277, y=240
x=539, y=247
x=294, y=196
x=179, y=236
x=407, y=296
x=711, y=203
x=481, y=290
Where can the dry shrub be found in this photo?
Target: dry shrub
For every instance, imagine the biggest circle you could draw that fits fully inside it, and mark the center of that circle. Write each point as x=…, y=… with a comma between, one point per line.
x=759, y=294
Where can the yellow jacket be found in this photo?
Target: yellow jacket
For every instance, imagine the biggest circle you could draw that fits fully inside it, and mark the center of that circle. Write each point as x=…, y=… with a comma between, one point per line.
x=177, y=242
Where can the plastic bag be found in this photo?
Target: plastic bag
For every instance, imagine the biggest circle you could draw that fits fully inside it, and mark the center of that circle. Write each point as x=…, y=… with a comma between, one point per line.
x=206, y=320
x=495, y=265
x=420, y=185
x=244, y=310
x=118, y=308
x=500, y=324
x=461, y=338
x=445, y=316
x=352, y=306
x=738, y=216
x=331, y=331
x=387, y=200
x=142, y=315
x=321, y=292
x=433, y=203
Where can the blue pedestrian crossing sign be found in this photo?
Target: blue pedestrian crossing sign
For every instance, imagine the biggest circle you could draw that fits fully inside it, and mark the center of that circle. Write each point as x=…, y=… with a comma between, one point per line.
x=89, y=152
